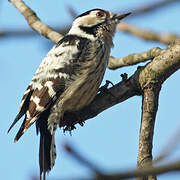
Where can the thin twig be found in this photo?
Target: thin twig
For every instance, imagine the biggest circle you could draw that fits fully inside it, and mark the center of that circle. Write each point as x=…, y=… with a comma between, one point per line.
x=166, y=38
x=170, y=167
x=81, y=159
x=133, y=59
x=72, y=11
x=35, y=23
x=139, y=11
x=152, y=7
x=169, y=147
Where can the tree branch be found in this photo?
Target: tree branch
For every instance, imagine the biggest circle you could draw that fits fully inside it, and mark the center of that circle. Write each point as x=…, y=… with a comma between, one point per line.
x=35, y=23
x=81, y=159
x=166, y=38
x=152, y=78
x=158, y=70
x=149, y=110
x=138, y=11
x=171, y=167
x=133, y=59
x=162, y=66
x=118, y=93
x=146, y=81
x=169, y=147
x=151, y=7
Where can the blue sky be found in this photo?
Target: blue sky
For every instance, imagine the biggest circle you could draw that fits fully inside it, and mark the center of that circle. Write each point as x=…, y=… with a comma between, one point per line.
x=110, y=139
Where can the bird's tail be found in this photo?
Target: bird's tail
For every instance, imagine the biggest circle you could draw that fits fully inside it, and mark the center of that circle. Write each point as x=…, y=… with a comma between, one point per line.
x=47, y=148
x=47, y=153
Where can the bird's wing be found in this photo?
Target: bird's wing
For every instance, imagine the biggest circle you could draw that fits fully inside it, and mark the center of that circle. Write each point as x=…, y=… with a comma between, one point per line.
x=40, y=101
x=48, y=82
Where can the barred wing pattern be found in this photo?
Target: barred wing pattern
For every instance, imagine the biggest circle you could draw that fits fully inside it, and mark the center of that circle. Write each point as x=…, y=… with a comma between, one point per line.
x=56, y=71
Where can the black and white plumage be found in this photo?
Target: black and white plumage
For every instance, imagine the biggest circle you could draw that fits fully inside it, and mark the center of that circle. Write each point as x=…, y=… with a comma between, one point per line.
x=67, y=79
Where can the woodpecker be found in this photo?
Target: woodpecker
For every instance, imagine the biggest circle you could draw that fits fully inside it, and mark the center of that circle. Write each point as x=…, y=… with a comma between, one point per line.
x=67, y=79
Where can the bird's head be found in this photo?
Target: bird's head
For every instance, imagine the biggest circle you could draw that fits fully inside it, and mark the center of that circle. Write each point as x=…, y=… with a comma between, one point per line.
x=96, y=23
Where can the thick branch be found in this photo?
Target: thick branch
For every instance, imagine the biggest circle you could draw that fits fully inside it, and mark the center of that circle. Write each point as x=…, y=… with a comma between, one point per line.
x=118, y=93
x=151, y=85
x=133, y=59
x=166, y=38
x=35, y=22
x=162, y=66
x=158, y=70
x=149, y=109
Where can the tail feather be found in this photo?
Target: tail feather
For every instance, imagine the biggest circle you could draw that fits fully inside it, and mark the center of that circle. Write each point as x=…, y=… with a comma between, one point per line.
x=21, y=131
x=23, y=109
x=19, y=115
x=47, y=154
x=47, y=149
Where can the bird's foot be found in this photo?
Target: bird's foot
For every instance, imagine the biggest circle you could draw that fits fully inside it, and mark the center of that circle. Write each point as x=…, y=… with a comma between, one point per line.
x=71, y=119
x=69, y=122
x=124, y=77
x=104, y=89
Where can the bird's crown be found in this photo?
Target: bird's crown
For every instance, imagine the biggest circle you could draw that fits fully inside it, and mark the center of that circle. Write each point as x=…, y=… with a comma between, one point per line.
x=96, y=19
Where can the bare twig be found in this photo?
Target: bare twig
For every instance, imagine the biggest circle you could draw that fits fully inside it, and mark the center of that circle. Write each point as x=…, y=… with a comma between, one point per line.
x=169, y=147
x=35, y=22
x=158, y=70
x=166, y=38
x=138, y=11
x=151, y=7
x=72, y=11
x=21, y=33
x=171, y=167
x=158, y=170
x=133, y=59
x=81, y=159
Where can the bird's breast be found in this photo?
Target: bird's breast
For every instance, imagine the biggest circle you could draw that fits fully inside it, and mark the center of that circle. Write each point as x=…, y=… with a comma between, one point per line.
x=83, y=90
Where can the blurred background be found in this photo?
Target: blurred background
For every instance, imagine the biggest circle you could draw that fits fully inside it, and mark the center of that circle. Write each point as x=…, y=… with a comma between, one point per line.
x=109, y=140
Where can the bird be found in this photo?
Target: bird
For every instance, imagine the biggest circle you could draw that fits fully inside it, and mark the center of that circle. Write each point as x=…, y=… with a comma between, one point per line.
x=67, y=79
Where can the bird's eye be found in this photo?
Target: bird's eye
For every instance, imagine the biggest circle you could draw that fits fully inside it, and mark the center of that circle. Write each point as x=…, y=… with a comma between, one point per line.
x=100, y=14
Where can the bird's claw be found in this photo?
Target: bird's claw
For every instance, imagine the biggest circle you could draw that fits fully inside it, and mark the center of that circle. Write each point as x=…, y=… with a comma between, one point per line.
x=104, y=89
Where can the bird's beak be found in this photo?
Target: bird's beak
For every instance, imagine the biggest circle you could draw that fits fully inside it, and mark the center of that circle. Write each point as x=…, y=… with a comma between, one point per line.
x=118, y=17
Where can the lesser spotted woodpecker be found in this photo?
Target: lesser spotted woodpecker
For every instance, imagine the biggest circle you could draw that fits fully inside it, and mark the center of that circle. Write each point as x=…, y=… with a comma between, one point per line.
x=67, y=79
